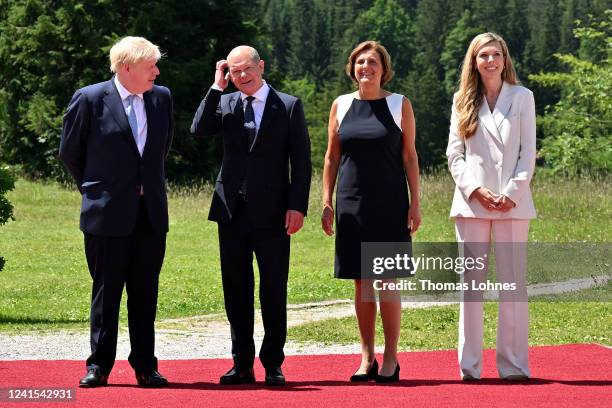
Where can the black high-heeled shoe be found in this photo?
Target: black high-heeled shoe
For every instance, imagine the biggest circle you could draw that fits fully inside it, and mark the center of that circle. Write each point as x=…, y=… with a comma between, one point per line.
x=389, y=379
x=370, y=375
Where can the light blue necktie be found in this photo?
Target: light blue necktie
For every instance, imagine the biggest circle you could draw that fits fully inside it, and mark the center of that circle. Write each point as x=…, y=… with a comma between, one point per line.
x=132, y=118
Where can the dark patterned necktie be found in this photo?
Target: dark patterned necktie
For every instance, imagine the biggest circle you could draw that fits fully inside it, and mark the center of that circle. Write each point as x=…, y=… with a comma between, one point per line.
x=249, y=120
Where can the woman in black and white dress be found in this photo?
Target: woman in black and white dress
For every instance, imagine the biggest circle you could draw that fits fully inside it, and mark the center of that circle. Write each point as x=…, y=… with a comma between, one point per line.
x=371, y=152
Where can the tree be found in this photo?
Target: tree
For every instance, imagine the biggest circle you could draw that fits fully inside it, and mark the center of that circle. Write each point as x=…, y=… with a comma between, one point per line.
x=47, y=52
x=317, y=105
x=424, y=85
x=388, y=23
x=275, y=43
x=544, y=21
x=193, y=34
x=455, y=46
x=431, y=27
x=50, y=48
x=577, y=128
x=432, y=109
x=516, y=34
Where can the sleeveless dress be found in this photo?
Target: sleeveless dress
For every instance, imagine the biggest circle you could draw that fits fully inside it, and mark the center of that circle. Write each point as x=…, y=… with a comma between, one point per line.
x=372, y=194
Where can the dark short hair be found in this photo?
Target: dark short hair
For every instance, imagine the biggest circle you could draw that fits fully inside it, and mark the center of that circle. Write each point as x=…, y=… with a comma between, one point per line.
x=384, y=57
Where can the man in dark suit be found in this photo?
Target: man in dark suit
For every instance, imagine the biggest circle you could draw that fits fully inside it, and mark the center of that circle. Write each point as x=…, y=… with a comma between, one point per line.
x=115, y=138
x=260, y=199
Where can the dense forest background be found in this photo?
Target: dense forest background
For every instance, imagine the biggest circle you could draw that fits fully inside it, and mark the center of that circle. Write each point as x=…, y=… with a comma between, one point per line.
x=561, y=50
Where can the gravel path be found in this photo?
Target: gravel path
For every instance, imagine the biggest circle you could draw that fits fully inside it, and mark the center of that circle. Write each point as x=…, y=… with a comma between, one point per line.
x=209, y=336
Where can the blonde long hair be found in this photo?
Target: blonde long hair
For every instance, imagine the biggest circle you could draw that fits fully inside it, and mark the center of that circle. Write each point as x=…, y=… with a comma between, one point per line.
x=470, y=94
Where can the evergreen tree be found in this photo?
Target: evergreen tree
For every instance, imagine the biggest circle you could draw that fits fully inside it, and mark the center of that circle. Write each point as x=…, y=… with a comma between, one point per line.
x=344, y=13
x=49, y=48
x=431, y=107
x=516, y=33
x=311, y=41
x=424, y=85
x=573, y=11
x=431, y=27
x=275, y=44
x=387, y=22
x=45, y=53
x=577, y=128
x=194, y=34
x=302, y=39
x=455, y=47
x=544, y=35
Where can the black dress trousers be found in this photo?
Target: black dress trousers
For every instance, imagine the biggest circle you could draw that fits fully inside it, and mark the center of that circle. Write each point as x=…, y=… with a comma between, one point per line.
x=134, y=261
x=238, y=240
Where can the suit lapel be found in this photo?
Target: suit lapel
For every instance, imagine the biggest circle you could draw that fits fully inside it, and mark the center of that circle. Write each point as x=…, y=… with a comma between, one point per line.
x=503, y=108
x=112, y=100
x=485, y=117
x=493, y=121
x=503, y=105
x=271, y=109
x=235, y=105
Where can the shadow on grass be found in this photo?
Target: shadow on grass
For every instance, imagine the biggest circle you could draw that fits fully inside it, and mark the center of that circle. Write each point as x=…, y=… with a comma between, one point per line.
x=6, y=319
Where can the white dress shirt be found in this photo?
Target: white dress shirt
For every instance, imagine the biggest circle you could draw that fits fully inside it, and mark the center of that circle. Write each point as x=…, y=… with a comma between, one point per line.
x=259, y=103
x=141, y=114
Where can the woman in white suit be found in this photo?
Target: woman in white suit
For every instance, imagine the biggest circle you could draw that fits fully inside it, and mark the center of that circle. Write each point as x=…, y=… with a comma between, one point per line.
x=491, y=156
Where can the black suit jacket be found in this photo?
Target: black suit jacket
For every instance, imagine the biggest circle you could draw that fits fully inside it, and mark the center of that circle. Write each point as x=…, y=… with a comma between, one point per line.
x=277, y=166
x=99, y=150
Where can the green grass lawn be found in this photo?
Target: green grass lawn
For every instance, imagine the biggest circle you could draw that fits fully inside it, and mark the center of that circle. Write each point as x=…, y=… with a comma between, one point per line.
x=559, y=321
x=45, y=283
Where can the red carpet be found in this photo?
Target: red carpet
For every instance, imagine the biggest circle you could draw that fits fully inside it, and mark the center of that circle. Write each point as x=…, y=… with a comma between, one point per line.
x=570, y=375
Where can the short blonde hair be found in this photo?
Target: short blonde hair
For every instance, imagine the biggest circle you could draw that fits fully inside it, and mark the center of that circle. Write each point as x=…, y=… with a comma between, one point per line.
x=385, y=58
x=130, y=50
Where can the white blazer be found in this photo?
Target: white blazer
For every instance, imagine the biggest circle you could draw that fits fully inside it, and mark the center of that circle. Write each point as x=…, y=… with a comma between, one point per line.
x=499, y=156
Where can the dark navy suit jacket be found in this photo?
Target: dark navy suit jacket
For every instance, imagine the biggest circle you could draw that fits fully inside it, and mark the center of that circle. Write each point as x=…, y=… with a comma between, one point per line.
x=277, y=166
x=99, y=150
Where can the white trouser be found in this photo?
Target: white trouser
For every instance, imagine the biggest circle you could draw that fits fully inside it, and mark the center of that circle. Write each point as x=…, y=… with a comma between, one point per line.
x=513, y=316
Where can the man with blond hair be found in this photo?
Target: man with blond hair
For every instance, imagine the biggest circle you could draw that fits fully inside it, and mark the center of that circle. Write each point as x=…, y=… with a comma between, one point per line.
x=115, y=138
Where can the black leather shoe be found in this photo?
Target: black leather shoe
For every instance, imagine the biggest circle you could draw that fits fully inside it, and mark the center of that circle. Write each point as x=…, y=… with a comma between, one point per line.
x=235, y=377
x=370, y=375
x=93, y=379
x=516, y=377
x=391, y=378
x=274, y=376
x=152, y=379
